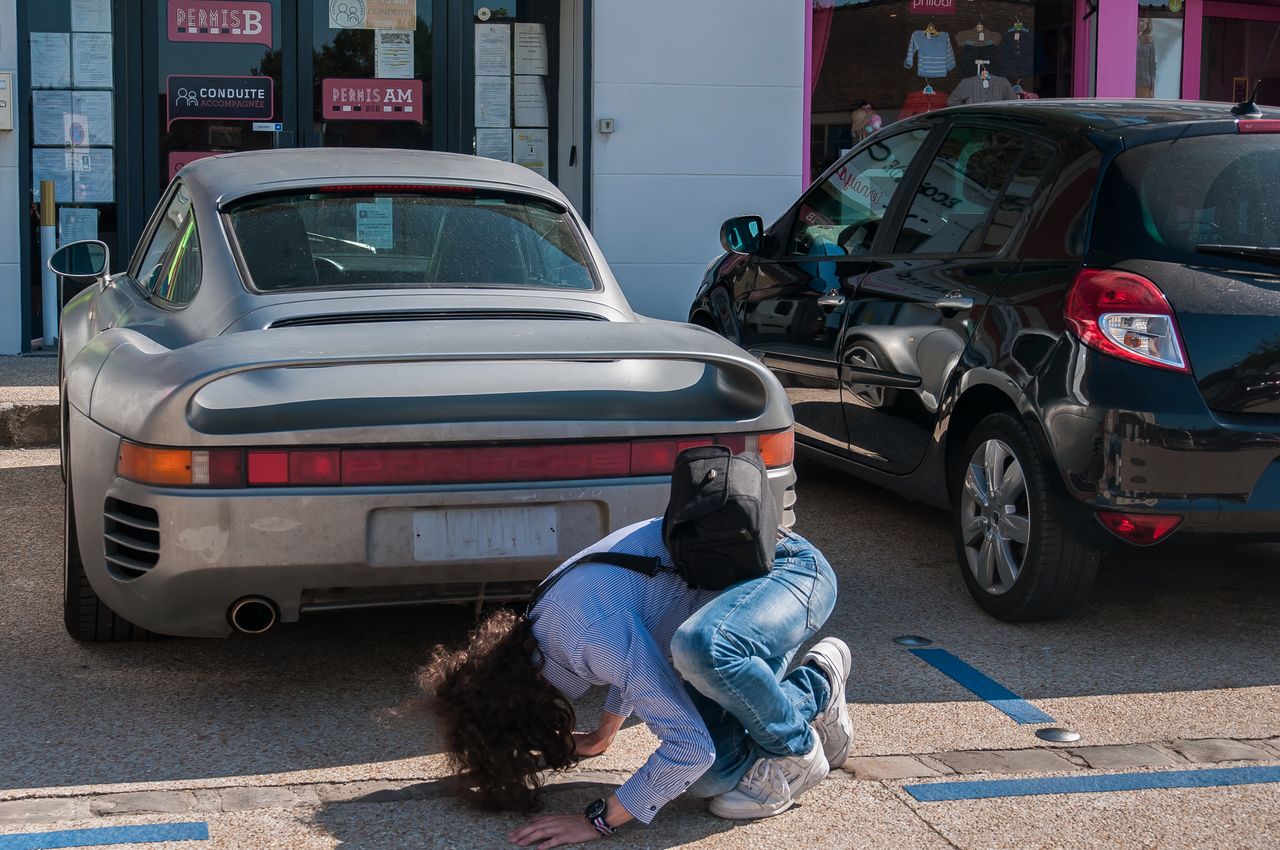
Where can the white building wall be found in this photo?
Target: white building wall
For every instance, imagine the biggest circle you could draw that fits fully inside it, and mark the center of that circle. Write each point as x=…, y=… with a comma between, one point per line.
x=707, y=99
x=12, y=208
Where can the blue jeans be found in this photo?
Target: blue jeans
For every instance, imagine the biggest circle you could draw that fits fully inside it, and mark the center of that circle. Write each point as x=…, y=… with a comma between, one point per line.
x=734, y=651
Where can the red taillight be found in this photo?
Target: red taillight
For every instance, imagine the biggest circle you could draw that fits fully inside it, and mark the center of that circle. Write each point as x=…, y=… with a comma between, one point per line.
x=180, y=467
x=1142, y=529
x=485, y=464
x=1127, y=316
x=333, y=467
x=657, y=457
x=1258, y=125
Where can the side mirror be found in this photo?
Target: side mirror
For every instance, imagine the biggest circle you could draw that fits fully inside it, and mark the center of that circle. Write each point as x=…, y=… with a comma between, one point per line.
x=742, y=234
x=85, y=259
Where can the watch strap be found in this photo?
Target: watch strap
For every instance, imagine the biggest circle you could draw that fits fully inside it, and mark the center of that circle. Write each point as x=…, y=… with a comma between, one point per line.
x=602, y=826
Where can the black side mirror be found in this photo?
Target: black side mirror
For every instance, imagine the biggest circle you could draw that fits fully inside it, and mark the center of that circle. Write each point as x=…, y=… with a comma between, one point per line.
x=742, y=234
x=85, y=259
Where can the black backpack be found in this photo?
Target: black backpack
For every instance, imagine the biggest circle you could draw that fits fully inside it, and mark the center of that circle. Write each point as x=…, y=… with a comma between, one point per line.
x=720, y=525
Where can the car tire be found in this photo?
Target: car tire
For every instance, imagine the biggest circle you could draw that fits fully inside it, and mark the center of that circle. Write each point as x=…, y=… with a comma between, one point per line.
x=1018, y=556
x=85, y=616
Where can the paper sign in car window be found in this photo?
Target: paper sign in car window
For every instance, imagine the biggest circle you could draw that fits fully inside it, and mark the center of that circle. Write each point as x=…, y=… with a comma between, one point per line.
x=373, y=224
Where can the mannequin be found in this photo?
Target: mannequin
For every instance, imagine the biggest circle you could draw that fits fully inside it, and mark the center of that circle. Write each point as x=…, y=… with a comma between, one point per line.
x=1146, y=72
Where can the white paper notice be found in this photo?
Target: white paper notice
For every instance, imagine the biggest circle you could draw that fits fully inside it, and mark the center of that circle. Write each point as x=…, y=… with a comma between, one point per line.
x=493, y=50
x=91, y=60
x=493, y=101
x=531, y=49
x=91, y=16
x=493, y=143
x=94, y=175
x=531, y=102
x=49, y=110
x=51, y=164
x=76, y=224
x=393, y=54
x=531, y=149
x=373, y=224
x=50, y=60
x=95, y=108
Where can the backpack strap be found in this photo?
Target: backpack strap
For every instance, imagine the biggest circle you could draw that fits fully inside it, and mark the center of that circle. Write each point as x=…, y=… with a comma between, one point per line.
x=636, y=563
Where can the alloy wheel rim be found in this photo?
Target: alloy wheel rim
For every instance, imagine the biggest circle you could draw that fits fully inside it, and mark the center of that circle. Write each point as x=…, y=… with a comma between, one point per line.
x=995, y=517
x=871, y=395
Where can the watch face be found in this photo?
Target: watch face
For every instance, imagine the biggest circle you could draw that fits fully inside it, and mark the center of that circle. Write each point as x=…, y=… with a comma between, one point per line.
x=595, y=809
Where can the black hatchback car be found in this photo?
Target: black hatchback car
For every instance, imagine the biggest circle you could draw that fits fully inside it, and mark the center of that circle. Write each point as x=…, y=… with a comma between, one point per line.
x=1059, y=319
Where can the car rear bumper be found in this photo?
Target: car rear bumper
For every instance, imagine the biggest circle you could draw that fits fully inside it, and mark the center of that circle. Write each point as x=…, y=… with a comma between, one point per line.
x=1138, y=440
x=324, y=548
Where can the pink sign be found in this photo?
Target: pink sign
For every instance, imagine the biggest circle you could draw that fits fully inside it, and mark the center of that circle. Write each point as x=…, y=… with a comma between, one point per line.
x=225, y=21
x=373, y=100
x=933, y=7
x=177, y=159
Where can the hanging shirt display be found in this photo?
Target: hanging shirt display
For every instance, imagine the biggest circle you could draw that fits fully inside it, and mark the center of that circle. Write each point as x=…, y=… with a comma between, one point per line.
x=918, y=103
x=982, y=90
x=1015, y=57
x=935, y=55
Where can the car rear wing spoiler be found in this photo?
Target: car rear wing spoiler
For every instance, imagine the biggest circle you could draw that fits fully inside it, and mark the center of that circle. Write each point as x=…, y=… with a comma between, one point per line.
x=556, y=379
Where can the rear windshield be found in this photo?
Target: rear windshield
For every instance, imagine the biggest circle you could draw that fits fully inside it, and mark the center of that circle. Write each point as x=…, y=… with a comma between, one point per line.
x=356, y=238
x=1159, y=201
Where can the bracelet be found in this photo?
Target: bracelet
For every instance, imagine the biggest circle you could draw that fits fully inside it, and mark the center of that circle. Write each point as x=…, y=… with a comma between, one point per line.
x=602, y=826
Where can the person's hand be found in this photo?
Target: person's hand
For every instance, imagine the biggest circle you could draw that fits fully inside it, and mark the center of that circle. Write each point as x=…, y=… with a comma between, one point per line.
x=587, y=744
x=553, y=831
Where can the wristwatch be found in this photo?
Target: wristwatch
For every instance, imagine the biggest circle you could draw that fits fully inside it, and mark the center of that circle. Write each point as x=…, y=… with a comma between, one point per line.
x=595, y=814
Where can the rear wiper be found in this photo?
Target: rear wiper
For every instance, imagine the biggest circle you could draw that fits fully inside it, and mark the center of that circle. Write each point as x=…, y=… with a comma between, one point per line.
x=1261, y=253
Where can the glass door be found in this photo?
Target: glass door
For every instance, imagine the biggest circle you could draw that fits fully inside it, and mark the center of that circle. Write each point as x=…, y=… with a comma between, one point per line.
x=222, y=78
x=372, y=78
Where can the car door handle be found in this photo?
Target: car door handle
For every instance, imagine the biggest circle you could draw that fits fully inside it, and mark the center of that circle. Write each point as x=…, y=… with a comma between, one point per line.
x=831, y=300
x=953, y=302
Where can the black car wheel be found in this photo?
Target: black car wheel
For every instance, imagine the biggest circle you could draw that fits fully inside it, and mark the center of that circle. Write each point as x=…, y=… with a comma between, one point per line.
x=1017, y=555
x=83, y=613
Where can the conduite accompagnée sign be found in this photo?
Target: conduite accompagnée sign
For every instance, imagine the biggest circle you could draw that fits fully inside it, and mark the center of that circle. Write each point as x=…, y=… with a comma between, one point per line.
x=225, y=98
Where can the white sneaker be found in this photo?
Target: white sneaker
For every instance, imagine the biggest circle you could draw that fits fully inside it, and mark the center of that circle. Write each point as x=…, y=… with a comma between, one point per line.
x=834, y=726
x=771, y=786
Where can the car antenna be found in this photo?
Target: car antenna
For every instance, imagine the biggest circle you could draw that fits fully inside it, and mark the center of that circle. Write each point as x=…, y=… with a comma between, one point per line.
x=1249, y=108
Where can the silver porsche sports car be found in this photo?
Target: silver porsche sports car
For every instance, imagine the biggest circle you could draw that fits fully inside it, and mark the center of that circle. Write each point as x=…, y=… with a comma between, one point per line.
x=334, y=379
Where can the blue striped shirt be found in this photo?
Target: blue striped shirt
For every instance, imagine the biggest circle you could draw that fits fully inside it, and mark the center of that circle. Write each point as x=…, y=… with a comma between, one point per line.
x=607, y=625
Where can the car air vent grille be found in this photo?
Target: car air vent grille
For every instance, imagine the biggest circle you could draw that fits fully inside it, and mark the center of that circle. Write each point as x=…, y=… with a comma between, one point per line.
x=132, y=537
x=434, y=315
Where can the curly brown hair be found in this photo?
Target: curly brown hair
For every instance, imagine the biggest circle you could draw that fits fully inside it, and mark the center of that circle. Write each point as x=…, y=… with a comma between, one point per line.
x=502, y=722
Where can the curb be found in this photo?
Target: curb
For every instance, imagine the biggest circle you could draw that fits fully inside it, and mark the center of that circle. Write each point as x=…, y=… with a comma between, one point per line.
x=29, y=425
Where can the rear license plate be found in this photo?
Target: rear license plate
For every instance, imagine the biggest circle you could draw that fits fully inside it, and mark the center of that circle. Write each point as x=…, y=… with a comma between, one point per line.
x=471, y=534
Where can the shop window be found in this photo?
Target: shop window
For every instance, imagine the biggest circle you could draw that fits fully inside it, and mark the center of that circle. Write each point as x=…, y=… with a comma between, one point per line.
x=1158, y=70
x=959, y=192
x=1236, y=55
x=907, y=57
x=842, y=214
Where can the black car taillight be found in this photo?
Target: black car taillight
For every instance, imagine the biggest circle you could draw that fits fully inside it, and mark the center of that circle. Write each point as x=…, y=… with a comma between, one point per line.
x=1127, y=316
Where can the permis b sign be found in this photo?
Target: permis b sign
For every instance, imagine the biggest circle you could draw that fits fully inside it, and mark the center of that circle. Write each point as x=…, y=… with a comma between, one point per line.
x=933, y=7
x=223, y=21
x=223, y=98
x=373, y=100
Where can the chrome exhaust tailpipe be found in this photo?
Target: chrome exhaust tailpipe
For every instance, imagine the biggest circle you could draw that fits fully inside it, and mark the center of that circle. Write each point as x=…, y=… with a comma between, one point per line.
x=253, y=615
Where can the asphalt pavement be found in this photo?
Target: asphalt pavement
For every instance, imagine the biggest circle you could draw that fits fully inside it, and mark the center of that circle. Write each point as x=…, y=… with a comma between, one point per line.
x=277, y=741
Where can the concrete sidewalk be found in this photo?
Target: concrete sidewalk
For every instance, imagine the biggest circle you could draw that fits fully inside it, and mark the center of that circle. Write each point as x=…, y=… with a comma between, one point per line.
x=28, y=401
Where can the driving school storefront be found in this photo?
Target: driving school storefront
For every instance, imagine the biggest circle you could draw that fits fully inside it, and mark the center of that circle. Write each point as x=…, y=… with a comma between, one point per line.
x=115, y=96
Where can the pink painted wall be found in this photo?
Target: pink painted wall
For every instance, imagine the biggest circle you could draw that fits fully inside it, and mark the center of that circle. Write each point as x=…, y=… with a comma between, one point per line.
x=1117, y=48
x=807, y=142
x=1192, y=34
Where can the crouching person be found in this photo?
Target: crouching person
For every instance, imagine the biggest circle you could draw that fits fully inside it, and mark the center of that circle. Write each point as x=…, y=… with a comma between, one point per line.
x=705, y=668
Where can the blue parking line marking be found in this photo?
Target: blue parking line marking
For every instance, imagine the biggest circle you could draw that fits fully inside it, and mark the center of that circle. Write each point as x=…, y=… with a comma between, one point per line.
x=147, y=833
x=982, y=789
x=984, y=687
